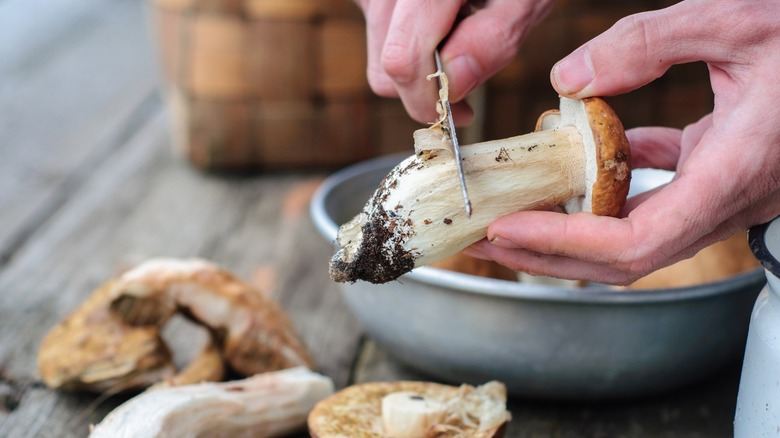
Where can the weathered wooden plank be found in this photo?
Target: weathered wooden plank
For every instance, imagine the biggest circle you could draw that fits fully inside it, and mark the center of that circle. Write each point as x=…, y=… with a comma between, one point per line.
x=142, y=203
x=698, y=411
x=89, y=186
x=71, y=75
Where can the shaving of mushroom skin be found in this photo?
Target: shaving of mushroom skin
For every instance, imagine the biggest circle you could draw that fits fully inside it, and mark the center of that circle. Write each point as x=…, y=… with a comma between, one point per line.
x=441, y=104
x=265, y=405
x=439, y=130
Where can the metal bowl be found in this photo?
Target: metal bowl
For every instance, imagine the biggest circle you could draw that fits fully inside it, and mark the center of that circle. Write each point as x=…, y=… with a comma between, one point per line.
x=541, y=341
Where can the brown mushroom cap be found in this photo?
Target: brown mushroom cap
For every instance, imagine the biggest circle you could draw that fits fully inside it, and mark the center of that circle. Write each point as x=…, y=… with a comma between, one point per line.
x=613, y=158
x=548, y=120
x=609, y=174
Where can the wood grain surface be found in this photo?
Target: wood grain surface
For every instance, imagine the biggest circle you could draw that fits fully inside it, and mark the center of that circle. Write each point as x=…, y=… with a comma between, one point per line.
x=90, y=185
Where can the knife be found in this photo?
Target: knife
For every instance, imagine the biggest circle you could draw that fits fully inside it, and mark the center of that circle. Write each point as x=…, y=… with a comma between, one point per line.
x=454, y=139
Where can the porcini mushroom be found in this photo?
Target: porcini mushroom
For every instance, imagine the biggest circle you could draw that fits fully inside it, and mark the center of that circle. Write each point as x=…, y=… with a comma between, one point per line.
x=113, y=341
x=404, y=409
x=265, y=405
x=253, y=333
x=578, y=158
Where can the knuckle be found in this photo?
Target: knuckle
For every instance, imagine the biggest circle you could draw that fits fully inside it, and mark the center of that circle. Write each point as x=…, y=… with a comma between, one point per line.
x=381, y=84
x=747, y=22
x=639, y=32
x=399, y=63
x=503, y=36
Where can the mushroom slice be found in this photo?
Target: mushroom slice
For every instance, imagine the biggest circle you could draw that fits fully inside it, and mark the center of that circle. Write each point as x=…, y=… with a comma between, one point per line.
x=253, y=333
x=112, y=342
x=265, y=405
x=412, y=409
x=94, y=350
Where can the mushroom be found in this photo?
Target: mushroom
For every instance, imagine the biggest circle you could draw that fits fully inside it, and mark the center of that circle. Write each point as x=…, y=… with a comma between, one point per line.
x=253, y=333
x=113, y=341
x=412, y=409
x=265, y=405
x=578, y=158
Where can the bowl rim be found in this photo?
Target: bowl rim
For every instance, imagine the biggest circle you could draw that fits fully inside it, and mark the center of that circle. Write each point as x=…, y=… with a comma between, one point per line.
x=594, y=293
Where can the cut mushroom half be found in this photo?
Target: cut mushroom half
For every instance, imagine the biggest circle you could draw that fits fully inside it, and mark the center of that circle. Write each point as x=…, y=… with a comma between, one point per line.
x=578, y=158
x=265, y=405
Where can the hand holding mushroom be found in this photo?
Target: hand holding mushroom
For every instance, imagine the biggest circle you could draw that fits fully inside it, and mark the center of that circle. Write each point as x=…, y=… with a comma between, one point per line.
x=727, y=164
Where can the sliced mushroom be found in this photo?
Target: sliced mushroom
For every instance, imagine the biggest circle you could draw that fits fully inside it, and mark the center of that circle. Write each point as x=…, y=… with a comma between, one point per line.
x=412, y=409
x=265, y=405
x=253, y=333
x=579, y=159
x=113, y=341
x=93, y=349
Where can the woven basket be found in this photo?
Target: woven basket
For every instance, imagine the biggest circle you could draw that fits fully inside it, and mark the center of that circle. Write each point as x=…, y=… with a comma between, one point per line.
x=272, y=84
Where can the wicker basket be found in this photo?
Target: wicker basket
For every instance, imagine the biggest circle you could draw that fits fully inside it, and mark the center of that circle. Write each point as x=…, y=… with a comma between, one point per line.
x=272, y=83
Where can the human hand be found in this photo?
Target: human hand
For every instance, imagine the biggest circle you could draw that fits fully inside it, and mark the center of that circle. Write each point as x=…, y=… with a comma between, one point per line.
x=402, y=35
x=727, y=164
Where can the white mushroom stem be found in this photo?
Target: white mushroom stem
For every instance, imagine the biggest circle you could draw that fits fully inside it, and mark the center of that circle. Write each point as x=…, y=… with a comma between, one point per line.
x=266, y=405
x=407, y=414
x=416, y=216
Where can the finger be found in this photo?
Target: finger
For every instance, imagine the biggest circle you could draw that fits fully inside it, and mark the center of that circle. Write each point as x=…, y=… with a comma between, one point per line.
x=416, y=28
x=673, y=218
x=633, y=202
x=486, y=41
x=378, y=15
x=551, y=265
x=654, y=230
x=476, y=250
x=640, y=48
x=692, y=135
x=662, y=148
x=462, y=113
x=584, y=236
x=654, y=147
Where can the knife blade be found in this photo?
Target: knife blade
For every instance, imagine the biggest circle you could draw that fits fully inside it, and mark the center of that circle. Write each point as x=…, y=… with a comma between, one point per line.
x=454, y=139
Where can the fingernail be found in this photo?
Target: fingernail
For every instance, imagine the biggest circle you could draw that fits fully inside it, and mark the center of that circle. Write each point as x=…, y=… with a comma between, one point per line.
x=502, y=242
x=573, y=73
x=463, y=73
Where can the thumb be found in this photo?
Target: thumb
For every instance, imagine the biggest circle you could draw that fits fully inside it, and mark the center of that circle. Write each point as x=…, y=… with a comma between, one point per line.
x=640, y=48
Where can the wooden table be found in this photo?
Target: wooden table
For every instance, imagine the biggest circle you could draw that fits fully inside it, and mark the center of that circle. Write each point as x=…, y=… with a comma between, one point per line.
x=89, y=186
